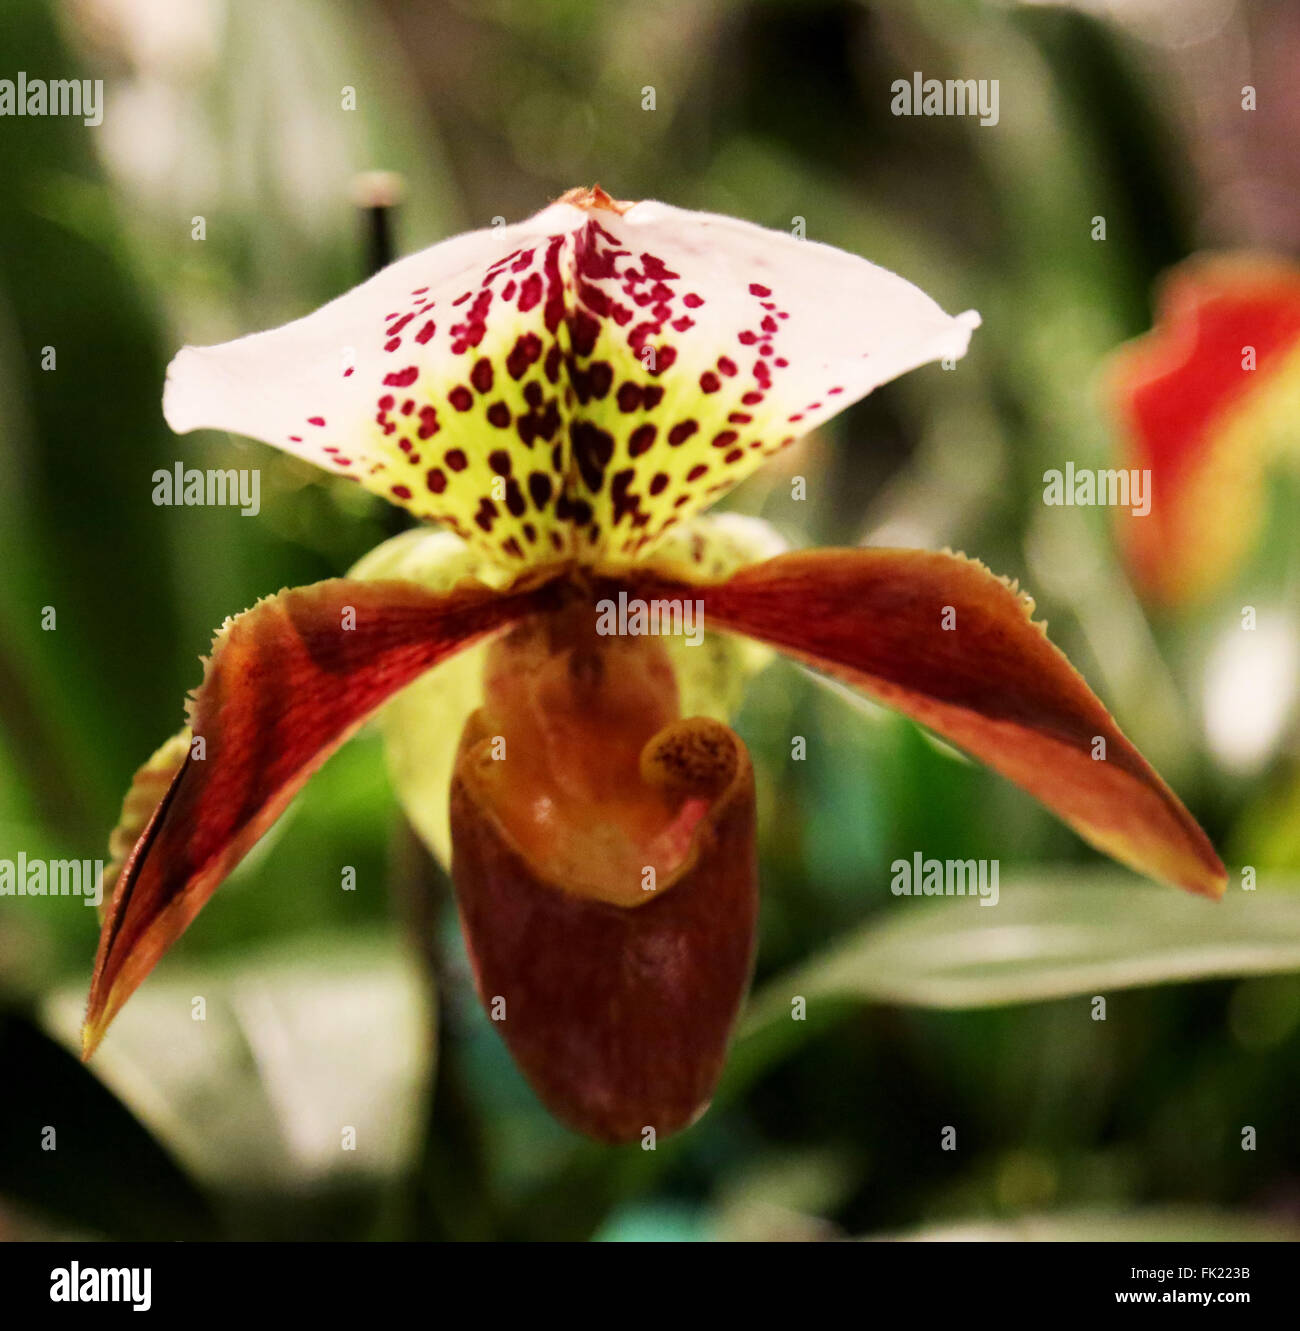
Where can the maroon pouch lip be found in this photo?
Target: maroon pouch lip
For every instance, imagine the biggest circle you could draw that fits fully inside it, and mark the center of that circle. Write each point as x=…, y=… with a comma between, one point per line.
x=619, y=1017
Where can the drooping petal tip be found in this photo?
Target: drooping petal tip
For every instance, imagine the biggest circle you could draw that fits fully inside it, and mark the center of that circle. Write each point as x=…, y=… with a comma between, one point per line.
x=940, y=639
x=287, y=682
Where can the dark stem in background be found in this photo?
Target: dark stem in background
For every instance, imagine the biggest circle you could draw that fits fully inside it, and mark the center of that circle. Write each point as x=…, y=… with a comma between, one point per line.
x=449, y=1199
x=378, y=195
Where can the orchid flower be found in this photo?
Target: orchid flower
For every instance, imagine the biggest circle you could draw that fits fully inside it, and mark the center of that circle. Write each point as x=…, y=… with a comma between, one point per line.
x=565, y=396
x=1207, y=402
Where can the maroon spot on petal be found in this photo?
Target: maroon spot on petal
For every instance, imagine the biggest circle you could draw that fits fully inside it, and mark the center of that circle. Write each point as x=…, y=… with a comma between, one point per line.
x=408, y=406
x=651, y=396
x=725, y=438
x=640, y=441
x=629, y=397
x=592, y=450
x=680, y=433
x=400, y=492
x=402, y=378
x=526, y=350
x=709, y=382
x=692, y=301
x=426, y=332
x=428, y=422
x=455, y=459
x=499, y=415
x=757, y=289
x=600, y=378
x=499, y=461
x=437, y=480
x=684, y=324
x=659, y=482
x=739, y=418
x=593, y=298
x=315, y=420
x=734, y=455
x=481, y=375
x=747, y=339
x=584, y=330
x=461, y=398
x=656, y=270
x=625, y=504
x=539, y=488
x=515, y=501
x=387, y=402
x=392, y=344
x=697, y=471
x=727, y=366
x=751, y=399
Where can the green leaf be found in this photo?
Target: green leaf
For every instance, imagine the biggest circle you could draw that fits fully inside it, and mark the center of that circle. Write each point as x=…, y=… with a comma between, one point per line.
x=1052, y=935
x=252, y=1071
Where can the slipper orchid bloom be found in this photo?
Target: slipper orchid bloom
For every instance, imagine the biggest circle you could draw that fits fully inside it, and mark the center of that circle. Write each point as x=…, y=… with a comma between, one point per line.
x=1206, y=401
x=566, y=395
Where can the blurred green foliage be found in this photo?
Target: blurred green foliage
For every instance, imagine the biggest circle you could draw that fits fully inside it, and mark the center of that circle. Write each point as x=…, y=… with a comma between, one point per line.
x=771, y=110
